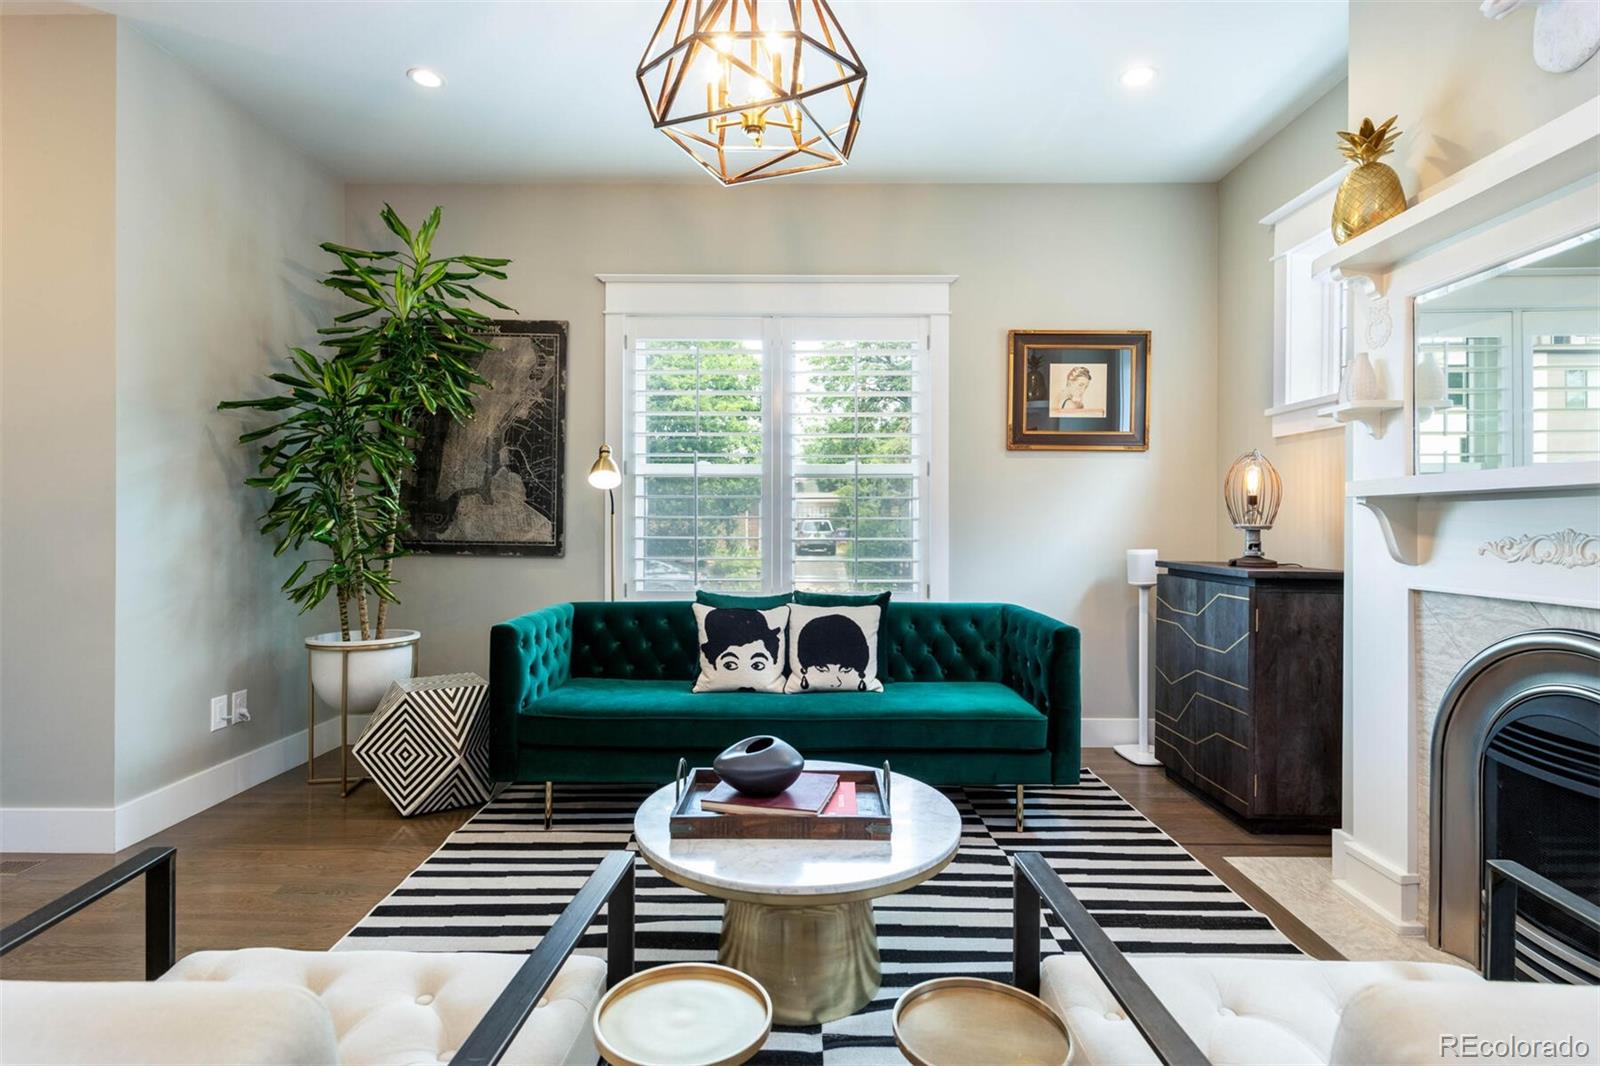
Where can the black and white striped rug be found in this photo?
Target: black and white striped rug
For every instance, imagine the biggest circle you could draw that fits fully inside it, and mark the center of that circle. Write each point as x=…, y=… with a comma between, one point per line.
x=500, y=880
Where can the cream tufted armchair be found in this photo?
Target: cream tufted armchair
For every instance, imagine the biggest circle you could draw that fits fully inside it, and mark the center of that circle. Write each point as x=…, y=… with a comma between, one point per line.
x=268, y=1005
x=1196, y=1010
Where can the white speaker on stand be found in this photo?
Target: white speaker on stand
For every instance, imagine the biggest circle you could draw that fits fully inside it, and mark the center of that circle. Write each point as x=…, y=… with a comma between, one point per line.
x=1142, y=573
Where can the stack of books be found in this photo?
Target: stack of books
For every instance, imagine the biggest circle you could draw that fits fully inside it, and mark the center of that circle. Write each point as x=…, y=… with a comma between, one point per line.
x=812, y=795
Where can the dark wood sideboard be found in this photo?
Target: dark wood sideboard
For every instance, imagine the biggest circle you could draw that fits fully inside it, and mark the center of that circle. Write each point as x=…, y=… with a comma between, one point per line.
x=1247, y=693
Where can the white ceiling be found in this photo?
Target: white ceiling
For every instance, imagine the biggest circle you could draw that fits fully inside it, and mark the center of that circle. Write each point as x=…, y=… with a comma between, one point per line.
x=975, y=90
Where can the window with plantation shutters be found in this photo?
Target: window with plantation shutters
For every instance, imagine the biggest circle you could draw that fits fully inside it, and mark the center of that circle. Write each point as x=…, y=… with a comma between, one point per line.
x=856, y=456
x=1564, y=384
x=698, y=465
x=776, y=452
x=1470, y=426
x=1513, y=388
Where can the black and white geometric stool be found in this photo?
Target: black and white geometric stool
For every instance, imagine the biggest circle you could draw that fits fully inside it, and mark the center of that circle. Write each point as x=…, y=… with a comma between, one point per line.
x=427, y=746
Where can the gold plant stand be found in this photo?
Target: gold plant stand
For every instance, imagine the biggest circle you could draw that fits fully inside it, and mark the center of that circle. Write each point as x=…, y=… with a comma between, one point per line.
x=346, y=786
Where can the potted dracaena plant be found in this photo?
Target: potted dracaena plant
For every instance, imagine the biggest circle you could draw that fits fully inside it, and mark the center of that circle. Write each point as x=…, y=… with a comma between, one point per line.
x=337, y=455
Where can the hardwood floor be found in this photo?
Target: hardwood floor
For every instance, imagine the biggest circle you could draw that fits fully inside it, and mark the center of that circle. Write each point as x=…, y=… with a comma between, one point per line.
x=289, y=866
x=1211, y=836
x=281, y=865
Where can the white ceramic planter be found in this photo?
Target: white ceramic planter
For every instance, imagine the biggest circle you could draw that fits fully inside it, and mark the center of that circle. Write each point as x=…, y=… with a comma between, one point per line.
x=373, y=666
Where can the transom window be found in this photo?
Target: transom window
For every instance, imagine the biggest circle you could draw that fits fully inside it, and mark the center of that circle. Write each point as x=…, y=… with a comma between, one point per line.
x=762, y=453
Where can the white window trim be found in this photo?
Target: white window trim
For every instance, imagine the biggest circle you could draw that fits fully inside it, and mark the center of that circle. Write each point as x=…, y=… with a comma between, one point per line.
x=809, y=295
x=1293, y=224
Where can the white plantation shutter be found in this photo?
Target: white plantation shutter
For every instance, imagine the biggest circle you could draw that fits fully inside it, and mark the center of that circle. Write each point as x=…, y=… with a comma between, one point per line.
x=696, y=463
x=1475, y=428
x=764, y=454
x=856, y=455
x=1521, y=387
x=1564, y=373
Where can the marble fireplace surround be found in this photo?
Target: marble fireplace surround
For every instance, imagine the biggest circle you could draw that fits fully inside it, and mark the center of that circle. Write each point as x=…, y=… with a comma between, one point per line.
x=1449, y=629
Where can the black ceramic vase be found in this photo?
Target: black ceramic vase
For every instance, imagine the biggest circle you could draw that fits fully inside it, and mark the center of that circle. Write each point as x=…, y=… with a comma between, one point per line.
x=760, y=766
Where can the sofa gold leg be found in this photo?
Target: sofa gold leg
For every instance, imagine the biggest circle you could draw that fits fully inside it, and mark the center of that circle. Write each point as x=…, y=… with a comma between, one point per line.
x=549, y=802
x=1019, y=808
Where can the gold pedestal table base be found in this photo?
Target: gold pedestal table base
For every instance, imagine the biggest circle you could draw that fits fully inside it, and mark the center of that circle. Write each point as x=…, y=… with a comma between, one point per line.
x=799, y=912
x=817, y=963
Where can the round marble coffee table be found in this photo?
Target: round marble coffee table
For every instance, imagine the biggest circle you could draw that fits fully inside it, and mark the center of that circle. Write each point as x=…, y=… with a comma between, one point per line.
x=799, y=912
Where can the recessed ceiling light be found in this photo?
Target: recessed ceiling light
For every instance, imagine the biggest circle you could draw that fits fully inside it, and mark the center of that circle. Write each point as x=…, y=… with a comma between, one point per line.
x=424, y=77
x=1137, y=77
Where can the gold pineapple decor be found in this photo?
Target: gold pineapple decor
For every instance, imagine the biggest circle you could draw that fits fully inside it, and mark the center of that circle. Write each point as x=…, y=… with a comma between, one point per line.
x=1370, y=193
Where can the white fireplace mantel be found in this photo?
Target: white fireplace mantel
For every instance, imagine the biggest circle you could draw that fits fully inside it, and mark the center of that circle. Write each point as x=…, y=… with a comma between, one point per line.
x=1409, y=535
x=1393, y=501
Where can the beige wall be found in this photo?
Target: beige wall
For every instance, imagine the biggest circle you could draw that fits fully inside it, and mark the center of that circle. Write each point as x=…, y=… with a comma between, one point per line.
x=57, y=408
x=1310, y=526
x=1463, y=85
x=218, y=222
x=1043, y=529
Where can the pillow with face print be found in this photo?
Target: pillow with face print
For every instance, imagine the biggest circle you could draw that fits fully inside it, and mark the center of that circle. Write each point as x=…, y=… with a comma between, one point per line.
x=833, y=649
x=740, y=648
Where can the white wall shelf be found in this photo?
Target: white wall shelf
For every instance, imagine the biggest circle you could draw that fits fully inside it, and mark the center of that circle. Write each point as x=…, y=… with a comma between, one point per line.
x=1373, y=414
x=1552, y=157
x=1539, y=479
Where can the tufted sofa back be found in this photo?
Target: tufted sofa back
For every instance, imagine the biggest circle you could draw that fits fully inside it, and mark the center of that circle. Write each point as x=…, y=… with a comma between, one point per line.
x=654, y=640
x=943, y=642
x=641, y=640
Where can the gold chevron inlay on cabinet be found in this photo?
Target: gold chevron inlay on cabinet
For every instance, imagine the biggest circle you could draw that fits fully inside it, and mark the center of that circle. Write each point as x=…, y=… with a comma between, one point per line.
x=1245, y=688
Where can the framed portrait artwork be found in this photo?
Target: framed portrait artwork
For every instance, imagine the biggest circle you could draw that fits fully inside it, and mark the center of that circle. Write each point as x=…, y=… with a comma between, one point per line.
x=1070, y=390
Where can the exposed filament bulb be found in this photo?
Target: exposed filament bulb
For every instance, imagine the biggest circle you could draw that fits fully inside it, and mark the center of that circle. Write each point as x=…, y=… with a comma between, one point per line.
x=752, y=121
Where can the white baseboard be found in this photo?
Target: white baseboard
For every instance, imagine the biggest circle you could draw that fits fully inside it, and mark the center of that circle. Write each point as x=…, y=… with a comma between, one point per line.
x=1109, y=732
x=91, y=830
x=1374, y=883
x=102, y=830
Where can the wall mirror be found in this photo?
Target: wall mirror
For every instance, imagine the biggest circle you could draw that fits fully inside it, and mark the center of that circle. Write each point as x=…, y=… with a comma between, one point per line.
x=1507, y=363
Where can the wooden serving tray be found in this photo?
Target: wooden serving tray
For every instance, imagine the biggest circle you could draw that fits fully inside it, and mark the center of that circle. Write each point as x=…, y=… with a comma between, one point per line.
x=870, y=822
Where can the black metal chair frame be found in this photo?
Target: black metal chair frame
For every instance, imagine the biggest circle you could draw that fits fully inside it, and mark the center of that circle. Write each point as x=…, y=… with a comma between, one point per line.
x=158, y=866
x=1507, y=881
x=611, y=883
x=1035, y=882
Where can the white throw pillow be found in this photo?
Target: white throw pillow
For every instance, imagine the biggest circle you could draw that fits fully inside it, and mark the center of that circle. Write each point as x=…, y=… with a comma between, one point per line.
x=833, y=649
x=741, y=648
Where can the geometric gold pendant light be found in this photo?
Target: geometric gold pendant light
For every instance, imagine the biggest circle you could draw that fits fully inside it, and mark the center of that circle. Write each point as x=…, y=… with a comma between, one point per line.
x=754, y=89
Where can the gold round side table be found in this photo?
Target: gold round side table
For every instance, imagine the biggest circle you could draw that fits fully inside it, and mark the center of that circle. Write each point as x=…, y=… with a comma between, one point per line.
x=956, y=1021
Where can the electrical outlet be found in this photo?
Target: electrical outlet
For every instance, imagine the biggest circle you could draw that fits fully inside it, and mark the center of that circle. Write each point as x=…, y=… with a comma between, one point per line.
x=219, y=713
x=241, y=706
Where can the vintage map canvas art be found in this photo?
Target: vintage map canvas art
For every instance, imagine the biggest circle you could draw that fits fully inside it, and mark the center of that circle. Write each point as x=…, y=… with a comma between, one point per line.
x=492, y=486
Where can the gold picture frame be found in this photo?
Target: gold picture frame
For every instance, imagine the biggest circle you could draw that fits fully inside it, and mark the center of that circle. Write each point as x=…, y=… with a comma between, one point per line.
x=1078, y=390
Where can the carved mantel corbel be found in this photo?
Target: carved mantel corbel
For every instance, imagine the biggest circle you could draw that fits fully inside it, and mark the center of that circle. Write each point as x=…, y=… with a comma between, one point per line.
x=1374, y=290
x=1397, y=519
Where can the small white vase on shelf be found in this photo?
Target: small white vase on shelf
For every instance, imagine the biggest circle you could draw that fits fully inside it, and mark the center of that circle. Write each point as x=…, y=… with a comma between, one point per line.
x=1361, y=380
x=1430, y=385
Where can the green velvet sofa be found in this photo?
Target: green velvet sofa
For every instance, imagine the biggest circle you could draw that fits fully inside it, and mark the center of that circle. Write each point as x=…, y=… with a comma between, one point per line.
x=974, y=694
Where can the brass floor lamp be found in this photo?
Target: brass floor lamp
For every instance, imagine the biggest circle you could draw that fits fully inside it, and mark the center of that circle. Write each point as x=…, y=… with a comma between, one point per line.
x=604, y=474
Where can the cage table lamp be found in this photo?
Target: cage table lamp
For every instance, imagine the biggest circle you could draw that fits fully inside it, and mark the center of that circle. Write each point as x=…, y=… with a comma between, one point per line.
x=1252, y=491
x=1142, y=573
